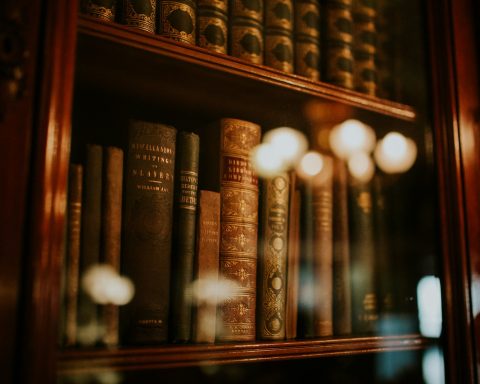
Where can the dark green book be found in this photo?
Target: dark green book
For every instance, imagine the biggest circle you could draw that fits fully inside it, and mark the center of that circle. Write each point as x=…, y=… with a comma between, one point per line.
x=148, y=231
x=185, y=208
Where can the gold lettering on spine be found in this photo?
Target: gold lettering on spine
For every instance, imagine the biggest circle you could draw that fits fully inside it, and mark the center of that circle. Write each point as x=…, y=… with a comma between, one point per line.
x=188, y=190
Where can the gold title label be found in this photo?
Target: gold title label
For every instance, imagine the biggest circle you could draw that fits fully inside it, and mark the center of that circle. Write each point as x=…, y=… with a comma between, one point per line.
x=239, y=170
x=187, y=198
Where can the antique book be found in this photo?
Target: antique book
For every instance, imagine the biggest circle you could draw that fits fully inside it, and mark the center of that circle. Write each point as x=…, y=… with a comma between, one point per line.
x=279, y=34
x=246, y=30
x=177, y=20
x=342, y=302
x=364, y=46
x=183, y=247
x=212, y=25
x=362, y=258
x=322, y=207
x=101, y=9
x=148, y=230
x=74, y=224
x=338, y=58
x=90, y=236
x=112, y=191
x=307, y=38
x=206, y=267
x=140, y=14
x=272, y=264
x=384, y=58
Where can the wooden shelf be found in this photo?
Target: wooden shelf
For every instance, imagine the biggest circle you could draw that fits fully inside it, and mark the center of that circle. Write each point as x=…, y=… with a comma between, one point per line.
x=170, y=356
x=143, y=65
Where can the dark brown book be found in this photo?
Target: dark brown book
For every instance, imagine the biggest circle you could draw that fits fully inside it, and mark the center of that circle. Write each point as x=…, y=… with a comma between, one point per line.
x=185, y=211
x=272, y=265
x=212, y=25
x=206, y=267
x=279, y=34
x=342, y=313
x=246, y=30
x=112, y=191
x=140, y=14
x=177, y=20
x=384, y=58
x=307, y=38
x=322, y=206
x=74, y=220
x=148, y=230
x=101, y=9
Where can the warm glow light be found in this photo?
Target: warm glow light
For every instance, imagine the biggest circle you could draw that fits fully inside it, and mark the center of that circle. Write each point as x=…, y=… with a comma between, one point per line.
x=350, y=137
x=361, y=166
x=267, y=160
x=311, y=164
x=290, y=143
x=395, y=153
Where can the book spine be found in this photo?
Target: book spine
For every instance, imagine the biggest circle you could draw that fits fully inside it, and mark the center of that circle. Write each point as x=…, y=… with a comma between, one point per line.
x=279, y=35
x=140, y=14
x=342, y=314
x=147, y=230
x=185, y=208
x=212, y=24
x=307, y=38
x=273, y=258
x=101, y=9
x=73, y=251
x=339, y=39
x=177, y=20
x=362, y=250
x=111, y=231
x=239, y=227
x=364, y=46
x=384, y=58
x=246, y=30
x=206, y=267
x=322, y=206
x=91, y=232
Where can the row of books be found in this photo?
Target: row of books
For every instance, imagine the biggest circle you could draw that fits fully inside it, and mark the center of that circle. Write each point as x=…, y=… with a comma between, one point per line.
x=238, y=261
x=332, y=40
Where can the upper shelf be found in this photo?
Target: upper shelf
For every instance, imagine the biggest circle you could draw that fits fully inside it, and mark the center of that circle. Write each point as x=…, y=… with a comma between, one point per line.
x=153, y=67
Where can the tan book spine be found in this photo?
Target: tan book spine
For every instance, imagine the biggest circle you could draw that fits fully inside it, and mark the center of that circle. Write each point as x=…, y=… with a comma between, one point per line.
x=212, y=25
x=206, y=267
x=273, y=258
x=177, y=20
x=140, y=14
x=307, y=38
x=239, y=226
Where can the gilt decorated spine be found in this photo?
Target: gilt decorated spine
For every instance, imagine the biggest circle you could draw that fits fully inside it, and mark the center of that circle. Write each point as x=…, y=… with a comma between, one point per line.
x=177, y=20
x=212, y=25
x=307, y=38
x=101, y=9
x=140, y=14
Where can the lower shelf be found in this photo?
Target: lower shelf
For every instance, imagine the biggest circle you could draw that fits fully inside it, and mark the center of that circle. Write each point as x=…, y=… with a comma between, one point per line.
x=169, y=356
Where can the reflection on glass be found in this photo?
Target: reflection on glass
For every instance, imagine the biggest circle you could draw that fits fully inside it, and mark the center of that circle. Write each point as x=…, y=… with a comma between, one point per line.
x=430, y=306
x=350, y=137
x=395, y=153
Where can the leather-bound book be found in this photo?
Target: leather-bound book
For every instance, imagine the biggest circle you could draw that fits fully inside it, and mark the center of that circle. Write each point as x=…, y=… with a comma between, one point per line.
x=177, y=20
x=183, y=250
x=112, y=191
x=212, y=25
x=342, y=302
x=148, y=230
x=279, y=34
x=206, y=267
x=75, y=180
x=384, y=58
x=101, y=9
x=307, y=38
x=362, y=252
x=322, y=206
x=140, y=14
x=338, y=59
x=272, y=265
x=246, y=30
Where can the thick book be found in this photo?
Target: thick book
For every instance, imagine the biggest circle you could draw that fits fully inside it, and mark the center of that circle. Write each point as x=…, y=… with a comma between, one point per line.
x=112, y=192
x=101, y=9
x=140, y=14
x=177, y=20
x=322, y=207
x=246, y=30
x=279, y=34
x=307, y=38
x=272, y=265
x=384, y=58
x=183, y=247
x=74, y=223
x=212, y=25
x=148, y=230
x=206, y=267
